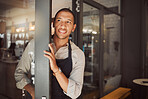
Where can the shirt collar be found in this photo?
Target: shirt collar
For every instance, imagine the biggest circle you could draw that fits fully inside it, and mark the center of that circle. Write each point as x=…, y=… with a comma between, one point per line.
x=54, y=47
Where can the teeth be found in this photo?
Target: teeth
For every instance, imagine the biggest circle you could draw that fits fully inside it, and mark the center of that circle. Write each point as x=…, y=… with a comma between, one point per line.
x=62, y=31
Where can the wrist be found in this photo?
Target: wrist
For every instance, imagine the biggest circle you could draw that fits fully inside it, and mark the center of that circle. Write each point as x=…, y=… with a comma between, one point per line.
x=57, y=72
x=55, y=69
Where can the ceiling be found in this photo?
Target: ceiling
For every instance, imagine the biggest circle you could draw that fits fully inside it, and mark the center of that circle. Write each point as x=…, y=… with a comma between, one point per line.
x=5, y=5
x=8, y=4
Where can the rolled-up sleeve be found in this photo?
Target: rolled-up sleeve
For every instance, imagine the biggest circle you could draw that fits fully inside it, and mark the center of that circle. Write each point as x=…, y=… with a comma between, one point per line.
x=76, y=77
x=23, y=67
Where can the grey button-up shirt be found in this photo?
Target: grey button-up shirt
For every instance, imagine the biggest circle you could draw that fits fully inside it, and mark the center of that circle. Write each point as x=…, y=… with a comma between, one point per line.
x=76, y=76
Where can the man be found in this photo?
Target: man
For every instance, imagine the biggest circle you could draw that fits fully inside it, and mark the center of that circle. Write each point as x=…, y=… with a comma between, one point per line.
x=67, y=61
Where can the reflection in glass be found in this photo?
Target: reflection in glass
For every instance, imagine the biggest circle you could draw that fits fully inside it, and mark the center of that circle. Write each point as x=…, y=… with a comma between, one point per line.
x=111, y=52
x=113, y=5
x=111, y=63
x=90, y=47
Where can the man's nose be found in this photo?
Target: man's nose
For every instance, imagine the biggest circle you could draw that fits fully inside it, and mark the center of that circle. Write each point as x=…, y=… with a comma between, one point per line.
x=63, y=24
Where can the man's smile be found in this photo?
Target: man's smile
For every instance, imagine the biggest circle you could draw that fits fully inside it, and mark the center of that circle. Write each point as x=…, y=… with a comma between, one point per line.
x=62, y=31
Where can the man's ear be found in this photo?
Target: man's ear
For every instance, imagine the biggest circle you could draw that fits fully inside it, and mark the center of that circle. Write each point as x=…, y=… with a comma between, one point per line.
x=74, y=27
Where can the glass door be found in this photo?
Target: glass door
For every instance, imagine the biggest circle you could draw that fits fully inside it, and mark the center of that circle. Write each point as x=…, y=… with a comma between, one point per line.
x=98, y=34
x=111, y=52
x=91, y=30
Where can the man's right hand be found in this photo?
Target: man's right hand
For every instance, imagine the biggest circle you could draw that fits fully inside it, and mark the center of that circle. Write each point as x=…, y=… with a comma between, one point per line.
x=31, y=90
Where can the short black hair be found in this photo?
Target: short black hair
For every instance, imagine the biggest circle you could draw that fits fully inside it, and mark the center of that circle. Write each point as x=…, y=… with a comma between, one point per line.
x=66, y=10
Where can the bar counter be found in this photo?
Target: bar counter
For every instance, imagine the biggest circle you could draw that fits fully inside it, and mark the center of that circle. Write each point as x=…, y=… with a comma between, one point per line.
x=8, y=88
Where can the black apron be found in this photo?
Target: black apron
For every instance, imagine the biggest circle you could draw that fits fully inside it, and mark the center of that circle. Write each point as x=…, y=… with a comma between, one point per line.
x=66, y=67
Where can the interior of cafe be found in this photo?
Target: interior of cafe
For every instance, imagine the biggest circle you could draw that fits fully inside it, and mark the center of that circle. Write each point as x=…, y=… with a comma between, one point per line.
x=112, y=34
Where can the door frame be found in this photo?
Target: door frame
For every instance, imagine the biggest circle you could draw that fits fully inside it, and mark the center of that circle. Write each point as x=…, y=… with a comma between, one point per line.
x=43, y=17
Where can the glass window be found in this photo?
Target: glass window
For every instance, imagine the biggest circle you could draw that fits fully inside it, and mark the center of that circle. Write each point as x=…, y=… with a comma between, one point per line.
x=90, y=48
x=111, y=63
x=113, y=5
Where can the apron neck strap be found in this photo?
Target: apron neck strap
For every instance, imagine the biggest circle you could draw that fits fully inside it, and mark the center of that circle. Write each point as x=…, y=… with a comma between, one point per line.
x=69, y=49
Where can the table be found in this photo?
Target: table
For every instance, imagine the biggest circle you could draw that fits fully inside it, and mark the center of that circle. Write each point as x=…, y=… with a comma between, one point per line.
x=142, y=81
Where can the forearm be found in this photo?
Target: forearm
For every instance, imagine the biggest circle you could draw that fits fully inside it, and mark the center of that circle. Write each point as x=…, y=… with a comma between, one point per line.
x=30, y=89
x=62, y=80
x=21, y=79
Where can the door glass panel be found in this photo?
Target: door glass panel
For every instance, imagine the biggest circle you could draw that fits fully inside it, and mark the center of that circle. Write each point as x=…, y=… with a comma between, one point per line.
x=90, y=48
x=113, y=5
x=111, y=63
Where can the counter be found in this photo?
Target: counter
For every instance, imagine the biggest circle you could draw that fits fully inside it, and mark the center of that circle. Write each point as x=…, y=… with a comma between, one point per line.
x=7, y=84
x=9, y=61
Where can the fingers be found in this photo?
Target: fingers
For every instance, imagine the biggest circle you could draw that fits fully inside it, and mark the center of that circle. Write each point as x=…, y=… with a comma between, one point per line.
x=49, y=57
x=48, y=54
x=51, y=48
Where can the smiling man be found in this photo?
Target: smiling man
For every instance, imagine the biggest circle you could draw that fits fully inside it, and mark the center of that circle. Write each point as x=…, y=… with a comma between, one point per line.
x=67, y=61
x=64, y=25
